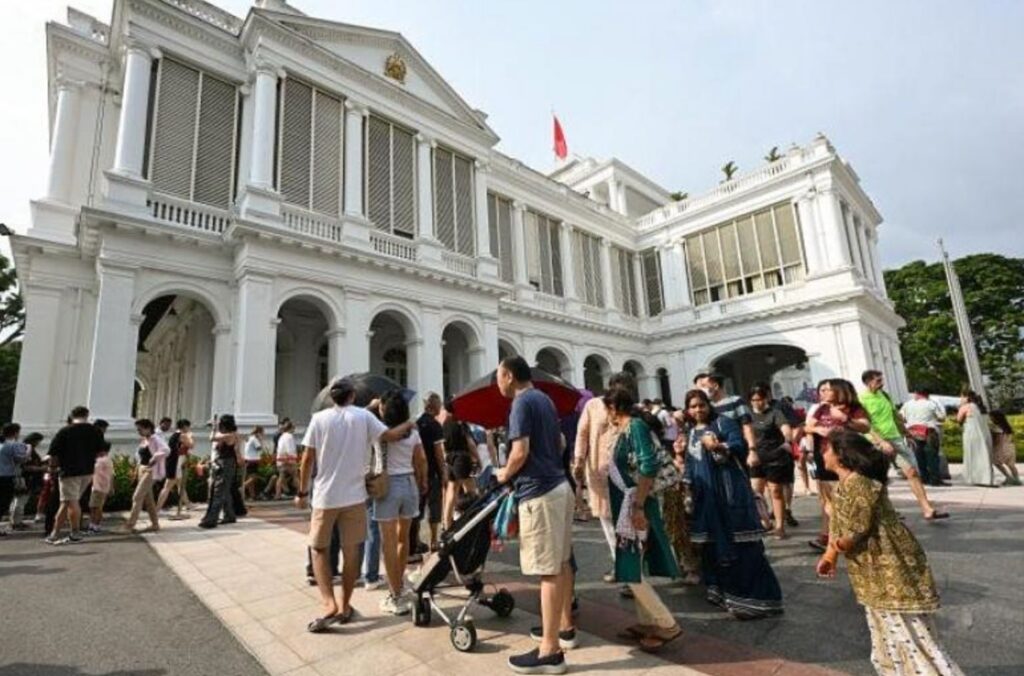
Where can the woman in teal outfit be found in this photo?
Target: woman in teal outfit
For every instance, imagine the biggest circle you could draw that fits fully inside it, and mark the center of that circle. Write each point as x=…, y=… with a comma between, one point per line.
x=642, y=544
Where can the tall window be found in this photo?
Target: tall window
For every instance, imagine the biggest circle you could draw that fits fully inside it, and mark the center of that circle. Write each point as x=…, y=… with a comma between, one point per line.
x=309, y=147
x=587, y=265
x=751, y=253
x=544, y=255
x=390, y=177
x=650, y=261
x=453, y=201
x=624, y=281
x=191, y=149
x=499, y=216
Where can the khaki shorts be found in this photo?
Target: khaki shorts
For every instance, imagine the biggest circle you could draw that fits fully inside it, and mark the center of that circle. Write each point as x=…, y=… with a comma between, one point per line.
x=72, y=488
x=97, y=499
x=545, y=531
x=904, y=457
x=350, y=521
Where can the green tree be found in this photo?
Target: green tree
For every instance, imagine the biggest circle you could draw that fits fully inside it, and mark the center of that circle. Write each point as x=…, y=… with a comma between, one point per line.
x=729, y=169
x=10, y=357
x=993, y=288
x=12, y=326
x=678, y=196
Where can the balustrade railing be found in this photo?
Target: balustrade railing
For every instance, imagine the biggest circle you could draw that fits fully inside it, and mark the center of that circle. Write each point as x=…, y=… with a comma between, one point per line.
x=176, y=211
x=463, y=265
x=387, y=244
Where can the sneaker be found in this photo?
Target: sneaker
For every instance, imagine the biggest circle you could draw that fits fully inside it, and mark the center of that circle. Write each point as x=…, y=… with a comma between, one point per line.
x=533, y=663
x=609, y=577
x=393, y=605
x=52, y=540
x=75, y=538
x=566, y=639
x=373, y=585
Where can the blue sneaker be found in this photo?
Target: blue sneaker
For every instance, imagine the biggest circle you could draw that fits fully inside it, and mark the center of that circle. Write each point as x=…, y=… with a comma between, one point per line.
x=533, y=663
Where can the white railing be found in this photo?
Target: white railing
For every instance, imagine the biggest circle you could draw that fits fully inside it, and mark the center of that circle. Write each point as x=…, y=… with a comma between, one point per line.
x=762, y=175
x=308, y=223
x=176, y=211
x=211, y=14
x=396, y=247
x=463, y=265
x=549, y=302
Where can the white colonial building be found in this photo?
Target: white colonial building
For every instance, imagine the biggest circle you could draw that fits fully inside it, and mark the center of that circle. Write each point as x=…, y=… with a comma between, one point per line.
x=238, y=208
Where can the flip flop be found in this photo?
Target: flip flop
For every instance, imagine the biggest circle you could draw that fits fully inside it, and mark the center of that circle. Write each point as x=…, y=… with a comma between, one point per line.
x=345, y=618
x=322, y=624
x=652, y=644
x=635, y=631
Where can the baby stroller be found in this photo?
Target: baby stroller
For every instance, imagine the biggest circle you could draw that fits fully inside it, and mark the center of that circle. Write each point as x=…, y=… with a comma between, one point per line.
x=462, y=552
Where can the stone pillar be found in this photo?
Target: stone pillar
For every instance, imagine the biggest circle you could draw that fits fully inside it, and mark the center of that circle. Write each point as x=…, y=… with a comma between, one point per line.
x=834, y=243
x=256, y=344
x=486, y=263
x=62, y=144
x=862, y=244
x=112, y=377
x=428, y=353
x=490, y=354
x=607, y=279
x=245, y=140
x=131, y=130
x=814, y=249
x=259, y=199
x=35, y=403
x=875, y=265
x=523, y=289
x=569, y=289
x=335, y=349
x=354, y=355
x=222, y=400
x=641, y=288
x=425, y=186
x=354, y=116
x=851, y=230
x=613, y=195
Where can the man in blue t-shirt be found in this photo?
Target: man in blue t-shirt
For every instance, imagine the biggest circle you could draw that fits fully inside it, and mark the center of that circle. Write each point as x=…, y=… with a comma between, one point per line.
x=545, y=512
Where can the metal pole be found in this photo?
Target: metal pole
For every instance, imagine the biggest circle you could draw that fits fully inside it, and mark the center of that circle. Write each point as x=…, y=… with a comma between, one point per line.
x=963, y=327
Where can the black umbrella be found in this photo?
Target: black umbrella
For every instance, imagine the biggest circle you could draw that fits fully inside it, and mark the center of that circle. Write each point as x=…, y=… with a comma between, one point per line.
x=482, y=403
x=368, y=386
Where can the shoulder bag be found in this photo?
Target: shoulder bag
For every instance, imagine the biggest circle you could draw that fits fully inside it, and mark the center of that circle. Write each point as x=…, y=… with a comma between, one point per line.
x=377, y=483
x=668, y=474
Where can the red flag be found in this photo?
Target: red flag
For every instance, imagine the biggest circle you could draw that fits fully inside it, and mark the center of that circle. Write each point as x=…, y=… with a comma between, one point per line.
x=561, y=148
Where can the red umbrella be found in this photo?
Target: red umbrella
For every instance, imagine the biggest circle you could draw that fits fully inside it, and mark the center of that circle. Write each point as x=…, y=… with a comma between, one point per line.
x=482, y=403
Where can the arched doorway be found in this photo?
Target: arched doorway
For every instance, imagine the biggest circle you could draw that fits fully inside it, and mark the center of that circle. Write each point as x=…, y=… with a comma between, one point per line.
x=506, y=350
x=389, y=352
x=783, y=367
x=635, y=369
x=174, y=361
x=459, y=350
x=301, y=357
x=554, y=361
x=664, y=386
x=595, y=373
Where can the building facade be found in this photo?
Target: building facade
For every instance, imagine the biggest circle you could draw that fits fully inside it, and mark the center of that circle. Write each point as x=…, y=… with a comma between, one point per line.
x=237, y=209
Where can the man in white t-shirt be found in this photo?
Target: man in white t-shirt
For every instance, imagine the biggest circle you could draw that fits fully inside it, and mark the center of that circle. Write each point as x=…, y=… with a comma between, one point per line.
x=670, y=430
x=923, y=418
x=338, y=440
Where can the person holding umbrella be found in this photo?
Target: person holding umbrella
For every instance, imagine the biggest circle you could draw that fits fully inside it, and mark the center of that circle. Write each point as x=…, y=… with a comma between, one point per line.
x=545, y=512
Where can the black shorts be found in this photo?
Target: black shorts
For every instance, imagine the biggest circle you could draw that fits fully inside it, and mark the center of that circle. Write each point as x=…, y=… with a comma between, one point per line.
x=460, y=466
x=778, y=472
x=432, y=499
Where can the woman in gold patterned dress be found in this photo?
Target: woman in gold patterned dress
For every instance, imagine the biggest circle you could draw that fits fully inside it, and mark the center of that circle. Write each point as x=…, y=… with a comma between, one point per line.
x=887, y=567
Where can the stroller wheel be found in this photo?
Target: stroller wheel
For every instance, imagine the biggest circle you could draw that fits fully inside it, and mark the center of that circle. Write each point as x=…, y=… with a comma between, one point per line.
x=463, y=636
x=421, y=612
x=502, y=603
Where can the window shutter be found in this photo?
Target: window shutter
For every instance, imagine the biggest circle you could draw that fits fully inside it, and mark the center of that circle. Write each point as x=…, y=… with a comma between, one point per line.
x=505, y=240
x=465, y=218
x=748, y=245
x=533, y=253
x=327, y=155
x=579, y=273
x=296, y=121
x=651, y=264
x=174, y=138
x=556, y=258
x=444, y=204
x=789, y=240
x=403, y=156
x=766, y=240
x=492, y=225
x=545, y=255
x=215, y=148
x=695, y=262
x=378, y=173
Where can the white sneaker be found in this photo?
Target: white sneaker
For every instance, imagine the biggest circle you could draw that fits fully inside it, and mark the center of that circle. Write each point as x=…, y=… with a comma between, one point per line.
x=374, y=585
x=393, y=605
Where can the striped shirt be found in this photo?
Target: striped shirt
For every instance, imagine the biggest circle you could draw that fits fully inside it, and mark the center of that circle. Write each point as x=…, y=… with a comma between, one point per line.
x=735, y=408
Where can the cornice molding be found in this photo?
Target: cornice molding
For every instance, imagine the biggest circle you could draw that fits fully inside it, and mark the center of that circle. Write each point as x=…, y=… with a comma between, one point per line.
x=178, y=20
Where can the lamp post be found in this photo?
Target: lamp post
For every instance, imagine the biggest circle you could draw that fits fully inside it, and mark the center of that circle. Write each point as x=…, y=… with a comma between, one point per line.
x=963, y=327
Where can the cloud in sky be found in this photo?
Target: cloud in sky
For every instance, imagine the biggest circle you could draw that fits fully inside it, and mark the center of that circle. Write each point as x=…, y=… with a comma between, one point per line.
x=924, y=98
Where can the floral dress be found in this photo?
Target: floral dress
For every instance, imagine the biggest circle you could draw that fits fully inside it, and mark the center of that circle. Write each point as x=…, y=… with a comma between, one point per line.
x=890, y=577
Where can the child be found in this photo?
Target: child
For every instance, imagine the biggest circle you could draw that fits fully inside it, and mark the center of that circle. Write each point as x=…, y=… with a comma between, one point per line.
x=102, y=481
x=151, y=454
x=1004, y=450
x=888, y=570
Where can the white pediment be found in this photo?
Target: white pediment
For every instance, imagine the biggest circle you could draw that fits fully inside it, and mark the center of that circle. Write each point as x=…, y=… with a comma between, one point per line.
x=370, y=49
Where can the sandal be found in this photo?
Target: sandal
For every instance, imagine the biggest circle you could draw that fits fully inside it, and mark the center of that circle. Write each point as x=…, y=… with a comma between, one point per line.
x=654, y=642
x=345, y=618
x=321, y=624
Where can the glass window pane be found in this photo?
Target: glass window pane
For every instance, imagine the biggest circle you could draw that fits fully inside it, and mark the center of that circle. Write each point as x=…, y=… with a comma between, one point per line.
x=766, y=239
x=695, y=262
x=789, y=239
x=730, y=255
x=714, y=258
x=748, y=245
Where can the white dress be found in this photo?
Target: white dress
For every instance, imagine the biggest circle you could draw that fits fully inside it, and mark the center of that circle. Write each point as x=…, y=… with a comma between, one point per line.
x=977, y=443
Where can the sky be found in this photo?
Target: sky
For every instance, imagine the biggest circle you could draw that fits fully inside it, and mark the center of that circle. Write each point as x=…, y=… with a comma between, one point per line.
x=925, y=98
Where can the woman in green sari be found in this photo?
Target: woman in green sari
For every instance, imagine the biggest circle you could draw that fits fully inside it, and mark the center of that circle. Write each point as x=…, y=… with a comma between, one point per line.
x=642, y=544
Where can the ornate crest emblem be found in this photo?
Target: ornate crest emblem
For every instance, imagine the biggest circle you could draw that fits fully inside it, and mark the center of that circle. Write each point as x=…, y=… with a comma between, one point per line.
x=394, y=67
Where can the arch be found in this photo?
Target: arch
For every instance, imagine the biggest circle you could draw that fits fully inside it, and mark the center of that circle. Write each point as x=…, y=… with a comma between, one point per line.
x=664, y=385
x=403, y=314
x=783, y=366
x=322, y=300
x=551, y=357
x=460, y=356
x=302, y=322
x=392, y=346
x=745, y=343
x=596, y=369
x=468, y=325
x=182, y=287
x=506, y=349
x=634, y=367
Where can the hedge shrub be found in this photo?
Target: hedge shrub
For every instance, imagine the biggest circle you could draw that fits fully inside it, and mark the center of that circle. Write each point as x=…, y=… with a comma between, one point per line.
x=952, y=437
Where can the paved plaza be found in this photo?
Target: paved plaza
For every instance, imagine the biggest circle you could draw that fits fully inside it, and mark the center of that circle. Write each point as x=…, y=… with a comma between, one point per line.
x=198, y=602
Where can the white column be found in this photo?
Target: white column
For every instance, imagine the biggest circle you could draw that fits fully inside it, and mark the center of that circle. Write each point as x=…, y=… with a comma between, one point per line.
x=623, y=205
x=222, y=399
x=682, y=272
x=490, y=355
x=864, y=253
x=256, y=342
x=831, y=228
x=568, y=264
x=852, y=231
x=607, y=279
x=62, y=143
x=424, y=186
x=354, y=116
x=261, y=164
x=131, y=131
x=245, y=141
x=428, y=352
x=641, y=288
x=111, y=382
x=335, y=349
x=35, y=404
x=814, y=249
x=523, y=288
x=875, y=265
x=354, y=354
x=486, y=263
x=613, y=195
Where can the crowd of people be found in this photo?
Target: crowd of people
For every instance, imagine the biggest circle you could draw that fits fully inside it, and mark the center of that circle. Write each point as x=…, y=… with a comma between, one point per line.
x=686, y=493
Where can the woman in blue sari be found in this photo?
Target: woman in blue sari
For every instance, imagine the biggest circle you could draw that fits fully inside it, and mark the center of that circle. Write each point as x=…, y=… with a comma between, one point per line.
x=736, y=572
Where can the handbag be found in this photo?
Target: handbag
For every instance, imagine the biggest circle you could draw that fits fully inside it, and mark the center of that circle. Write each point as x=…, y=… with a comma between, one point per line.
x=668, y=474
x=506, y=520
x=377, y=483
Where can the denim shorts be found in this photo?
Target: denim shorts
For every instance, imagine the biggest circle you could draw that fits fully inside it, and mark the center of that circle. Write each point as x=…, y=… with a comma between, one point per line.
x=402, y=501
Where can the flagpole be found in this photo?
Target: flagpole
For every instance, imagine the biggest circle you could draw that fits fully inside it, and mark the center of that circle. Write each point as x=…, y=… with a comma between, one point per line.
x=963, y=326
